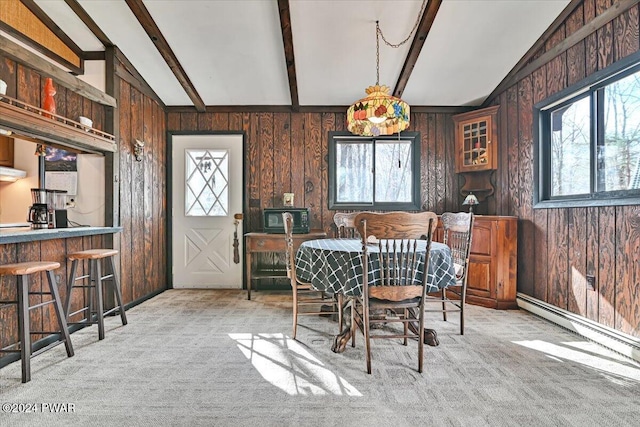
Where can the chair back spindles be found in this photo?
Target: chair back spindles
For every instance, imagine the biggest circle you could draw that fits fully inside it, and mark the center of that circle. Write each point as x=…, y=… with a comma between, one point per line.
x=457, y=229
x=345, y=225
x=393, y=245
x=457, y=233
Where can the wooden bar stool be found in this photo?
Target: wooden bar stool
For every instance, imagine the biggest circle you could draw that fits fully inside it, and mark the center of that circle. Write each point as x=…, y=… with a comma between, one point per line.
x=95, y=286
x=22, y=270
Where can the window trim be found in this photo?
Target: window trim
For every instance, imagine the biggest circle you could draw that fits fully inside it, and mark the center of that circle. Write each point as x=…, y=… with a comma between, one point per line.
x=414, y=205
x=541, y=116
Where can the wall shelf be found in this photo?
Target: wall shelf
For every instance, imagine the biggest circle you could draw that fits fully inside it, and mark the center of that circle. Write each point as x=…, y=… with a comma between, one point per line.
x=41, y=126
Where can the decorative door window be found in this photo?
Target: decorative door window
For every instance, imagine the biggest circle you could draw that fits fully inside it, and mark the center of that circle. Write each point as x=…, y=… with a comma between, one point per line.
x=206, y=182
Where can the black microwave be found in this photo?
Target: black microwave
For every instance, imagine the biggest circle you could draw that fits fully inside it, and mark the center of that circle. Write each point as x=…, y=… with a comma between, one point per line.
x=273, y=222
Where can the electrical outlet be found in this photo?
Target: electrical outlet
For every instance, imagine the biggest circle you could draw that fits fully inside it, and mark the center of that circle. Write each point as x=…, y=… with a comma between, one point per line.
x=71, y=203
x=591, y=283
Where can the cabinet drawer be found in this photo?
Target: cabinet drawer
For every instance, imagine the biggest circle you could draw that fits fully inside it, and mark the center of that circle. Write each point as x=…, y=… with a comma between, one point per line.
x=267, y=244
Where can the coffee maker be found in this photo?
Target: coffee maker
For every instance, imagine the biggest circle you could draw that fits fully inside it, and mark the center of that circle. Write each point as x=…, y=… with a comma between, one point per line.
x=39, y=210
x=48, y=209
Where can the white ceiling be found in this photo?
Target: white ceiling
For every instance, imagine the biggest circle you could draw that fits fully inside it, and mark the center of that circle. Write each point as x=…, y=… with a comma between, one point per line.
x=232, y=50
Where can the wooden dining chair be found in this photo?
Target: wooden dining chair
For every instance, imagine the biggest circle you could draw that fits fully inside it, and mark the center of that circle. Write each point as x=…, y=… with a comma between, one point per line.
x=345, y=224
x=394, y=272
x=457, y=232
x=306, y=300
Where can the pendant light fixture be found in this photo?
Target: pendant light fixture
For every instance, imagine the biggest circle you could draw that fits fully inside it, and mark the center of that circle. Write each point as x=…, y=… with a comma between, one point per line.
x=380, y=113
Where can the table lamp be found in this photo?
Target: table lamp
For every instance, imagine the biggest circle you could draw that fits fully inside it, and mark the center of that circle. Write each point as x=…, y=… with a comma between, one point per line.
x=470, y=200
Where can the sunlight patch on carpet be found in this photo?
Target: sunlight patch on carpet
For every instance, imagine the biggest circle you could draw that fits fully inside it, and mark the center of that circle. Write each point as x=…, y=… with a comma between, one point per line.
x=289, y=366
x=590, y=356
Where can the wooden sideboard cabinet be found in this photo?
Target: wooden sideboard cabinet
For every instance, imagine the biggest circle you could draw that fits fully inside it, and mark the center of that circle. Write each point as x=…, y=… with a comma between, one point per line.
x=493, y=262
x=256, y=242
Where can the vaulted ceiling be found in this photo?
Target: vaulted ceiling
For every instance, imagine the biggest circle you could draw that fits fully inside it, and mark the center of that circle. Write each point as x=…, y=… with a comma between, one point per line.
x=310, y=52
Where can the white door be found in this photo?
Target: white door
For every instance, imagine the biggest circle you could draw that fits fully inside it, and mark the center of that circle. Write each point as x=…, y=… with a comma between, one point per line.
x=207, y=192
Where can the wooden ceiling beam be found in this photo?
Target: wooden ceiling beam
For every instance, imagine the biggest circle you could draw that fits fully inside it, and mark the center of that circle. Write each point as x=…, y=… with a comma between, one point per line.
x=146, y=21
x=426, y=21
x=287, y=40
x=94, y=55
x=89, y=22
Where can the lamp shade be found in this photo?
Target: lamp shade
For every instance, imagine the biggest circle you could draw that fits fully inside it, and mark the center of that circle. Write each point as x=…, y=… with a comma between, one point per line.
x=378, y=113
x=471, y=199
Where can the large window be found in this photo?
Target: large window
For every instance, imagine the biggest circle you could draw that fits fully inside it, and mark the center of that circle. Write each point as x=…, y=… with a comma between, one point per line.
x=381, y=173
x=589, y=142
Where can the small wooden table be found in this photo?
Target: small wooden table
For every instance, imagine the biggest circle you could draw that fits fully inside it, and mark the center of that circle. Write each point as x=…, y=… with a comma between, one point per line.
x=268, y=242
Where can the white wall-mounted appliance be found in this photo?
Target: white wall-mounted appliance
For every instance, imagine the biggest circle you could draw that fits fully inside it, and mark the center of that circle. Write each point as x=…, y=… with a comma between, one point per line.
x=11, y=174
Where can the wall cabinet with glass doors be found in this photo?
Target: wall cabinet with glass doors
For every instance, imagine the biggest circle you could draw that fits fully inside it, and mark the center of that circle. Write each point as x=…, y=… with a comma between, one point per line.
x=476, y=142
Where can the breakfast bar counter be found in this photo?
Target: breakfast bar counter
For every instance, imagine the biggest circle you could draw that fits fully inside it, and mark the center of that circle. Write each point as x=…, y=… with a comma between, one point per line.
x=27, y=234
x=23, y=244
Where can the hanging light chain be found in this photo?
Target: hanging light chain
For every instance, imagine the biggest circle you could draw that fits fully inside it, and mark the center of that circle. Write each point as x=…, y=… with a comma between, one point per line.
x=377, y=53
x=379, y=34
x=415, y=26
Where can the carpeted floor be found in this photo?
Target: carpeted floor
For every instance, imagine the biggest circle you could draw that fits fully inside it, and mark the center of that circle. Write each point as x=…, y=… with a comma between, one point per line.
x=212, y=358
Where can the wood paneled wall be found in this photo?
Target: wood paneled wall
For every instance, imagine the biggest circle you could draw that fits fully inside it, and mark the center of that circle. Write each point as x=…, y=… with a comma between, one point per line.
x=142, y=188
x=288, y=152
x=557, y=248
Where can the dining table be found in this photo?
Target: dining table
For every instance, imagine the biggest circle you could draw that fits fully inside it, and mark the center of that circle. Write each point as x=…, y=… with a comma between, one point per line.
x=334, y=266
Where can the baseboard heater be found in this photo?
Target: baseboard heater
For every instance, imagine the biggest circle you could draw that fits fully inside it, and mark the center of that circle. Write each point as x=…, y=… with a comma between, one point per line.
x=617, y=341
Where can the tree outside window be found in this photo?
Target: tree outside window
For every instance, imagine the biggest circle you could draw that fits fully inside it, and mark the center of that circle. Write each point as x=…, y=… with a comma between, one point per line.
x=590, y=142
x=380, y=173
